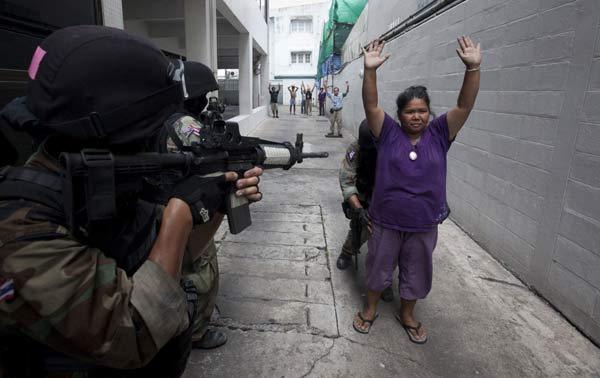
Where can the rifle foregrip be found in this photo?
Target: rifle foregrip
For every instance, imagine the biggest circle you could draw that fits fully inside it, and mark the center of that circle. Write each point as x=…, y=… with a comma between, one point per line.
x=276, y=156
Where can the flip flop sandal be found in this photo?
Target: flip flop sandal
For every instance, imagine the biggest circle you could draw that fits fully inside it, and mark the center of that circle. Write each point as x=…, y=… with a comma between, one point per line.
x=365, y=321
x=408, y=328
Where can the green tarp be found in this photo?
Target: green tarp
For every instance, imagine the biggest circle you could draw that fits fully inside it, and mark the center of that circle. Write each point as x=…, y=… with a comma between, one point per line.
x=342, y=16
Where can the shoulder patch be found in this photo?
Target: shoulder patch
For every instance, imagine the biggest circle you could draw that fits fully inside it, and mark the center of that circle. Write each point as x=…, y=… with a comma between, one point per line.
x=188, y=126
x=351, y=155
x=7, y=289
x=187, y=129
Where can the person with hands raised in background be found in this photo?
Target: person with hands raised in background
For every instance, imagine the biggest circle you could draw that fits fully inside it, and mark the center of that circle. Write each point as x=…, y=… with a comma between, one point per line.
x=409, y=197
x=337, y=103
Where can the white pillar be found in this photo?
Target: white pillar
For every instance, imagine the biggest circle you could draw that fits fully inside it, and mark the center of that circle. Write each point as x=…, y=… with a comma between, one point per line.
x=264, y=79
x=112, y=13
x=245, y=78
x=256, y=89
x=200, y=18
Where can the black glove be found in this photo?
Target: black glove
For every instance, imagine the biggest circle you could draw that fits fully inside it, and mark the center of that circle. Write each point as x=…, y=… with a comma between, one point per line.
x=363, y=216
x=204, y=195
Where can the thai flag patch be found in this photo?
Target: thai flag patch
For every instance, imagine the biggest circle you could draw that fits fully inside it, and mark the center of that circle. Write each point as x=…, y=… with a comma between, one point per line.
x=192, y=129
x=350, y=156
x=7, y=289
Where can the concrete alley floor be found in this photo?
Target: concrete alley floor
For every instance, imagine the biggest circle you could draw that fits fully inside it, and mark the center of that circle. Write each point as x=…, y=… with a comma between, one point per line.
x=287, y=310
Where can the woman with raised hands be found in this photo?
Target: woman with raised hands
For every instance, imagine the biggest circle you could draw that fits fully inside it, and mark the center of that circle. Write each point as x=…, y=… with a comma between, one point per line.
x=409, y=197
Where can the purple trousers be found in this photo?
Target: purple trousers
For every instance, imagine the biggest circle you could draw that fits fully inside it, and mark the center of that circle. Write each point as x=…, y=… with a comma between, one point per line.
x=411, y=251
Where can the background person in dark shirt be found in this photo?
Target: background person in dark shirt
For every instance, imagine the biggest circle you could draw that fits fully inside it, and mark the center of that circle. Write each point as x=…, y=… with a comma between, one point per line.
x=274, y=92
x=308, y=91
x=322, y=98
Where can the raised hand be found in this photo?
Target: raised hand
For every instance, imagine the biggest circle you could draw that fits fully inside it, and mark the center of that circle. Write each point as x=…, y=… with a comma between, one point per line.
x=468, y=52
x=373, y=56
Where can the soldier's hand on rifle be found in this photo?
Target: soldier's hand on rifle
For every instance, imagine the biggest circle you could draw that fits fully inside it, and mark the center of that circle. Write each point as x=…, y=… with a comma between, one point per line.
x=248, y=186
x=204, y=195
x=365, y=219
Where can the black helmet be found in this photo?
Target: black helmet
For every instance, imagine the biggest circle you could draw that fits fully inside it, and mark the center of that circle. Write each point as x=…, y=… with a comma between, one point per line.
x=197, y=79
x=365, y=138
x=98, y=83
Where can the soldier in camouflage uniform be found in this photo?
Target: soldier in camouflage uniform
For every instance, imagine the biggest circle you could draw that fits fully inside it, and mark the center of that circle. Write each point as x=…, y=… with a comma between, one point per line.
x=200, y=264
x=63, y=302
x=360, y=158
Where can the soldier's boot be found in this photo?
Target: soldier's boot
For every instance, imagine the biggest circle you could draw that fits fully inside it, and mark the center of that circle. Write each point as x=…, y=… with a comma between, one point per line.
x=387, y=295
x=211, y=339
x=344, y=260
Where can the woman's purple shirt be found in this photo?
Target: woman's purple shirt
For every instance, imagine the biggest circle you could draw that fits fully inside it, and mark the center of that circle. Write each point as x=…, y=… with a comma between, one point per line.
x=410, y=195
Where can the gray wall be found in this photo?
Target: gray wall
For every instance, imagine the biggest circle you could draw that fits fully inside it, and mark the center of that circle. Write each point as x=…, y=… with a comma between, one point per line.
x=524, y=173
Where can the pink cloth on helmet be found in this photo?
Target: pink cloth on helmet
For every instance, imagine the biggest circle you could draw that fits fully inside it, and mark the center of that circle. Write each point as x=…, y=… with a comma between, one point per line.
x=38, y=55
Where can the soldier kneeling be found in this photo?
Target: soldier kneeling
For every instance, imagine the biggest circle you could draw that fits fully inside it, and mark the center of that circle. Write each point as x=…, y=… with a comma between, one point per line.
x=106, y=300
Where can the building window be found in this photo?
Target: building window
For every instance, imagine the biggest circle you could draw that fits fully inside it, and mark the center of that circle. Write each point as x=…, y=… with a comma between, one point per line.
x=301, y=25
x=301, y=57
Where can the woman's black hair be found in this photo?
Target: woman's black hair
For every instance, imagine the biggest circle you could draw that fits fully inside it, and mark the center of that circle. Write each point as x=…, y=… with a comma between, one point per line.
x=416, y=91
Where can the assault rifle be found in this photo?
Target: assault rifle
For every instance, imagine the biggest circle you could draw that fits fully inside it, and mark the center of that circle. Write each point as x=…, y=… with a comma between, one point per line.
x=104, y=176
x=356, y=229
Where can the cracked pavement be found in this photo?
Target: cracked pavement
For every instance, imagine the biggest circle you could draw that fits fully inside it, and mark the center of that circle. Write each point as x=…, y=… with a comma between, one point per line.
x=287, y=310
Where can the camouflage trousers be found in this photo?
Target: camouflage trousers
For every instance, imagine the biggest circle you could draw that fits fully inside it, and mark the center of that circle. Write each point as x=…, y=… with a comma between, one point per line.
x=204, y=273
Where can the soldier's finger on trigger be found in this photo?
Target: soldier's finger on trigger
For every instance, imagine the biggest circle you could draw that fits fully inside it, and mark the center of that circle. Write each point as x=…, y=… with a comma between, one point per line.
x=231, y=176
x=256, y=171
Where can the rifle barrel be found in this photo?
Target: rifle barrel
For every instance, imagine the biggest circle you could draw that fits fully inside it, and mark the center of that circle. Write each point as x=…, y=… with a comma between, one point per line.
x=308, y=155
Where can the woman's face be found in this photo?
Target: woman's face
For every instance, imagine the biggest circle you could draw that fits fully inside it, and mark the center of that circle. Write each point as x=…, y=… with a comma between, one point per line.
x=415, y=116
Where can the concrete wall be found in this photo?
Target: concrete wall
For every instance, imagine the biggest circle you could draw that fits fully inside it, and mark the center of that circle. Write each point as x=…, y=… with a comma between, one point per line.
x=524, y=173
x=249, y=122
x=246, y=17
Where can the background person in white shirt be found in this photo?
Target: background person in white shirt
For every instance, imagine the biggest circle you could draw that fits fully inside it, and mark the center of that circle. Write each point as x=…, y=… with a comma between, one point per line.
x=337, y=103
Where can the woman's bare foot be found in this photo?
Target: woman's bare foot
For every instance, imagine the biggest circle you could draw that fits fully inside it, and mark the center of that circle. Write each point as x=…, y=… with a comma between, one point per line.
x=363, y=321
x=416, y=332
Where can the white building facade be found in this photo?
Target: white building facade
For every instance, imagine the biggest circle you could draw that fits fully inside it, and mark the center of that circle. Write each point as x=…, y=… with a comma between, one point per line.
x=295, y=29
x=223, y=34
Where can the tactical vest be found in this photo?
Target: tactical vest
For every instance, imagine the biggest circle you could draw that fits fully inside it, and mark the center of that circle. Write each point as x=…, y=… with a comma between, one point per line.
x=128, y=239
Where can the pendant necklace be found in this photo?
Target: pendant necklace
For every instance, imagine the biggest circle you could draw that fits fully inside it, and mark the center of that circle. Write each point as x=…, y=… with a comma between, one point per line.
x=412, y=155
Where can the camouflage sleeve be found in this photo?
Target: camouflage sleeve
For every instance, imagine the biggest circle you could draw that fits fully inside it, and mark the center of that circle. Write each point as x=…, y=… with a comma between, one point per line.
x=74, y=299
x=348, y=171
x=187, y=129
